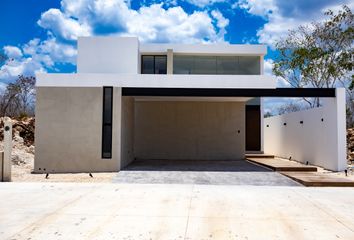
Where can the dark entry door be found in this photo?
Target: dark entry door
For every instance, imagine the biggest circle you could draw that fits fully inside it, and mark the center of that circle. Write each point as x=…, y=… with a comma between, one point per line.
x=253, y=128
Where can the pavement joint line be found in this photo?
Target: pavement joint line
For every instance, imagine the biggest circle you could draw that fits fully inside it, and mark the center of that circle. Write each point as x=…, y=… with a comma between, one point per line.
x=32, y=226
x=319, y=208
x=189, y=208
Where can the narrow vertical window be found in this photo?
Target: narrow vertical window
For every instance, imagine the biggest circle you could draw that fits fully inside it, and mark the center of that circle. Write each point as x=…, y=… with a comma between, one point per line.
x=107, y=122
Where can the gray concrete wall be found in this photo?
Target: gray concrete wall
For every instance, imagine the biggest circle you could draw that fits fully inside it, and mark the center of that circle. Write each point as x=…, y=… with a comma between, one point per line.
x=127, y=131
x=189, y=130
x=69, y=130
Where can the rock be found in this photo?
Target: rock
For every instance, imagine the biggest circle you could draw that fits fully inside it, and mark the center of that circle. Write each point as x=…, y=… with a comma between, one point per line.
x=30, y=149
x=16, y=160
x=17, y=138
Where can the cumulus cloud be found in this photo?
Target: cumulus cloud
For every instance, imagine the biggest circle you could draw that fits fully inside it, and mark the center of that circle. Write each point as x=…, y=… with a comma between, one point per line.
x=151, y=23
x=26, y=66
x=204, y=3
x=256, y=7
x=75, y=18
x=284, y=15
x=155, y=24
x=268, y=65
x=12, y=52
x=63, y=26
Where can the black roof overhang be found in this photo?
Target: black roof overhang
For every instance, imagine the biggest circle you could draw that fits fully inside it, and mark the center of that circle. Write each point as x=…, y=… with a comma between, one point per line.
x=229, y=92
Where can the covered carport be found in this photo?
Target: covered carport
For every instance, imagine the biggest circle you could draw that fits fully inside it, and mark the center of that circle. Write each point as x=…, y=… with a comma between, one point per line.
x=158, y=158
x=192, y=123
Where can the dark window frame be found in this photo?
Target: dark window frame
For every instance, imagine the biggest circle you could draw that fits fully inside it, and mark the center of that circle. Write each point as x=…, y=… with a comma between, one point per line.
x=154, y=62
x=105, y=123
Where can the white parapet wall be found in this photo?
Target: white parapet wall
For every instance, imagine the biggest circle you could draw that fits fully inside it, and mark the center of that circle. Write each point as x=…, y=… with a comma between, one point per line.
x=316, y=135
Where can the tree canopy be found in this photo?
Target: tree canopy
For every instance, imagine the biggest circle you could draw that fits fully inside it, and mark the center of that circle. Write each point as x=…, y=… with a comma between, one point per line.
x=320, y=54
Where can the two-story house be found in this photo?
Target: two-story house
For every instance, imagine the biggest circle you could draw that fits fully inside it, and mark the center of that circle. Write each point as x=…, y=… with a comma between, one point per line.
x=130, y=100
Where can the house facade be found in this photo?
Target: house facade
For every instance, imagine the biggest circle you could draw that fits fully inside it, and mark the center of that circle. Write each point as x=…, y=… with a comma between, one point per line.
x=130, y=101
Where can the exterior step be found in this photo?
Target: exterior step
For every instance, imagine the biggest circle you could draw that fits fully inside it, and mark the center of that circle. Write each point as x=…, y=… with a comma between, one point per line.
x=282, y=165
x=316, y=179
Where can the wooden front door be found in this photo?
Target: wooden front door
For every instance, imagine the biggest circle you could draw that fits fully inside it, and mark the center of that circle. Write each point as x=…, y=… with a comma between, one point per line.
x=253, y=128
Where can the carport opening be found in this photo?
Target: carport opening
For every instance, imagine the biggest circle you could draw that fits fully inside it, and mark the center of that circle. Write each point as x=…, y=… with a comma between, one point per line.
x=192, y=129
x=184, y=132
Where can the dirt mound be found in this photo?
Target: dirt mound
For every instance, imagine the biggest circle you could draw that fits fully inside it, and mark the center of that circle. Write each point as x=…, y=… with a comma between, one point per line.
x=23, y=128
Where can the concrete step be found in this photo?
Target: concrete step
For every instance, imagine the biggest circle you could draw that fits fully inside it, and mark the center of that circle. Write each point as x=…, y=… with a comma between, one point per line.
x=316, y=179
x=282, y=165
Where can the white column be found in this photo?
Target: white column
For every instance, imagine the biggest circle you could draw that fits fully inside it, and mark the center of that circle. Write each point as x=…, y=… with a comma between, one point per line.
x=169, y=61
x=335, y=114
x=7, y=150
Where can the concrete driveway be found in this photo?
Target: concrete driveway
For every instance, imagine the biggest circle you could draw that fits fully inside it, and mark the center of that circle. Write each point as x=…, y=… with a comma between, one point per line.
x=237, y=172
x=168, y=211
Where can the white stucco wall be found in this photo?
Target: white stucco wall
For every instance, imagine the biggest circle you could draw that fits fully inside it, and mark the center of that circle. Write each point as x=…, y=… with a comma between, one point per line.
x=155, y=80
x=127, y=131
x=68, y=131
x=108, y=55
x=321, y=143
x=189, y=130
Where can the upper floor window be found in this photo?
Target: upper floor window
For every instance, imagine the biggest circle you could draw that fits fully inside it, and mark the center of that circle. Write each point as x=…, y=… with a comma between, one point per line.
x=154, y=64
x=212, y=65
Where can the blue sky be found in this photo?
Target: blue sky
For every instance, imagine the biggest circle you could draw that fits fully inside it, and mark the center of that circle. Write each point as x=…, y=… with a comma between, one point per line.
x=40, y=35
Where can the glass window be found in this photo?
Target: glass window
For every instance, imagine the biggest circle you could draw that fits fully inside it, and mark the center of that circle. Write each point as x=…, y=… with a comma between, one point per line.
x=227, y=65
x=204, y=65
x=147, y=63
x=248, y=65
x=160, y=64
x=154, y=64
x=107, y=107
x=107, y=122
x=211, y=65
x=183, y=64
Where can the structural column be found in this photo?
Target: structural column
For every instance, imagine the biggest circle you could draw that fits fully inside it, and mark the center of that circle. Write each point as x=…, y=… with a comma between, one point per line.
x=169, y=61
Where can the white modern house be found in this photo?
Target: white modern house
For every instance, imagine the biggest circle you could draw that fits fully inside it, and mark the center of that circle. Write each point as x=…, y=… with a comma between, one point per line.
x=130, y=101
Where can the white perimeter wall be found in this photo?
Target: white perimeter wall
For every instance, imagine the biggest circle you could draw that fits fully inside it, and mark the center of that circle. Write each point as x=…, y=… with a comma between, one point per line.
x=321, y=143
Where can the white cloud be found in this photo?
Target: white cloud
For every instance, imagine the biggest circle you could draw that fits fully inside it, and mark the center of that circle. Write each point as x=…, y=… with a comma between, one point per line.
x=153, y=23
x=63, y=26
x=222, y=22
x=25, y=66
x=204, y=3
x=36, y=56
x=268, y=66
x=12, y=52
x=261, y=8
x=286, y=15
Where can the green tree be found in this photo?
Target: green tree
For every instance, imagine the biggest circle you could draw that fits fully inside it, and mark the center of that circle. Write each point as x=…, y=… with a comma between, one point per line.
x=318, y=55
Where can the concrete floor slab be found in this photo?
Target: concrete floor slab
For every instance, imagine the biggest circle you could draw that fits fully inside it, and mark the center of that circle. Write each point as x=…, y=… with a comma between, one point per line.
x=173, y=211
x=239, y=172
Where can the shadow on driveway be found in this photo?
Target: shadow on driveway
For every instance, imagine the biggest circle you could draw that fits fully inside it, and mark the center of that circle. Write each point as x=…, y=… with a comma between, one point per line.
x=195, y=165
